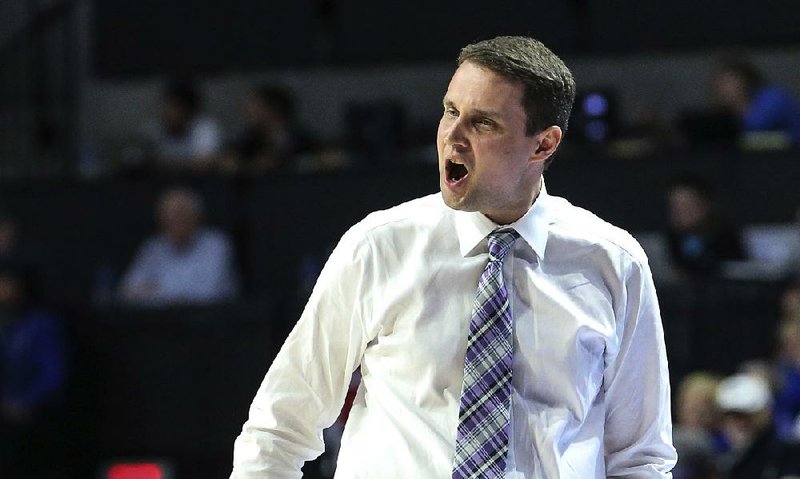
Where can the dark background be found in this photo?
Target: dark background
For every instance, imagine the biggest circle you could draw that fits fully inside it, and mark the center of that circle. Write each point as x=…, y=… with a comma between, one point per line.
x=145, y=37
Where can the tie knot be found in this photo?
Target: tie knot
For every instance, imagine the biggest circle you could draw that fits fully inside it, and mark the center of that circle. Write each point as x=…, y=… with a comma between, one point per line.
x=500, y=243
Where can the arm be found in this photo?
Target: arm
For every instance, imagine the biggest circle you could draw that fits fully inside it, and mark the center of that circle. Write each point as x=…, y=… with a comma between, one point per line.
x=638, y=433
x=305, y=387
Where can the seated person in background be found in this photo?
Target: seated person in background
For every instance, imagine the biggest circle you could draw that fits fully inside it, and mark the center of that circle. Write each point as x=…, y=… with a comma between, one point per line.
x=32, y=371
x=794, y=260
x=787, y=398
x=699, y=241
x=185, y=263
x=272, y=139
x=740, y=89
x=790, y=303
x=8, y=236
x=696, y=433
x=756, y=450
x=9, y=245
x=12, y=247
x=184, y=139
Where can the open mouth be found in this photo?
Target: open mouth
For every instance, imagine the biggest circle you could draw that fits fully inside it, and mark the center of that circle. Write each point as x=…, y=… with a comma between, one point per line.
x=455, y=172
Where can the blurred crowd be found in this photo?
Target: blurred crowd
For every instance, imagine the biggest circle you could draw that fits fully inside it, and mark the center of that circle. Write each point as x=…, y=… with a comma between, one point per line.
x=745, y=425
x=745, y=110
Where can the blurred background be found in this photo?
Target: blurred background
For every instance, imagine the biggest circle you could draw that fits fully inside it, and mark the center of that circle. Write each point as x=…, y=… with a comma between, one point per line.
x=174, y=174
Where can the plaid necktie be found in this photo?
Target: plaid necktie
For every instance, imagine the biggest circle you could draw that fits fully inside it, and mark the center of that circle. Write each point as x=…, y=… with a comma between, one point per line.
x=482, y=438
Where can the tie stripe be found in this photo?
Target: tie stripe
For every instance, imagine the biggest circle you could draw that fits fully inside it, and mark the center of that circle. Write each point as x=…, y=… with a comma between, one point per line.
x=484, y=410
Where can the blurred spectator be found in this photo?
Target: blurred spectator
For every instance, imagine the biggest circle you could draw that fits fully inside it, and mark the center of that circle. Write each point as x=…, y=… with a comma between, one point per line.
x=647, y=133
x=794, y=266
x=185, y=262
x=32, y=371
x=184, y=139
x=787, y=398
x=790, y=303
x=740, y=89
x=9, y=247
x=699, y=240
x=272, y=138
x=696, y=434
x=697, y=408
x=756, y=450
x=12, y=246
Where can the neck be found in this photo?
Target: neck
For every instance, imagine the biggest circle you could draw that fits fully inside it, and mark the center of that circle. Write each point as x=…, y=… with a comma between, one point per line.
x=507, y=219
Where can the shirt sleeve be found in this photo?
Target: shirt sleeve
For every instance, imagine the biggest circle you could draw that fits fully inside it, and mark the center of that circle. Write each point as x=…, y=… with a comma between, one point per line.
x=305, y=387
x=638, y=429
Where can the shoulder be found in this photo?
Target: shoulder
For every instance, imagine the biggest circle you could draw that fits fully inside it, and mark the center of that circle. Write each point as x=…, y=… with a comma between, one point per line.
x=582, y=227
x=154, y=244
x=213, y=238
x=417, y=213
x=398, y=225
x=772, y=98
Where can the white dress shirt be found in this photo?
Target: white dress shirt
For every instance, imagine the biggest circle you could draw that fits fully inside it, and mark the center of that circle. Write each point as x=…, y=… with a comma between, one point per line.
x=590, y=383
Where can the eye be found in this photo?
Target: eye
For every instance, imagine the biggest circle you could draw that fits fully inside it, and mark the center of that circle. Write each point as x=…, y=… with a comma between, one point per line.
x=484, y=123
x=451, y=112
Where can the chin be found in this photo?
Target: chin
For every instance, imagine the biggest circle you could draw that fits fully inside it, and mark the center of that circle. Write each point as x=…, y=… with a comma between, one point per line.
x=458, y=203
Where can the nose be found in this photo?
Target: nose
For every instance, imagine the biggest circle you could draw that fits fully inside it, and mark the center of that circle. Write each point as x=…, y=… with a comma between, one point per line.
x=453, y=134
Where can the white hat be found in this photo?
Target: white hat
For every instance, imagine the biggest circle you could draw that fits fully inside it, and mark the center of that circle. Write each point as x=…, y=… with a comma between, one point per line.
x=746, y=393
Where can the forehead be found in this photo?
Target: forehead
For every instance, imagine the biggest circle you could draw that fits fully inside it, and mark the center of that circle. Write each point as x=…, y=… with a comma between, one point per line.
x=477, y=86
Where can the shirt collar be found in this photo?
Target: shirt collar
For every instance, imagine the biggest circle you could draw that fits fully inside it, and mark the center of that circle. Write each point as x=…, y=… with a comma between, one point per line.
x=473, y=227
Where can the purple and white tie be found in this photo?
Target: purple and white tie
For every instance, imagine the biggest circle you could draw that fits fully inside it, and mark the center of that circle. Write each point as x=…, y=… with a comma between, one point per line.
x=483, y=429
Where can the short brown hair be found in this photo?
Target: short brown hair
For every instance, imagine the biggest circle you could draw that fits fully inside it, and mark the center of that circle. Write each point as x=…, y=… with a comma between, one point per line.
x=549, y=88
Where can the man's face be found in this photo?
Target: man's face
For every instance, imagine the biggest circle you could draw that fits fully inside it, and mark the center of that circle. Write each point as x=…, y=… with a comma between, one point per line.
x=729, y=92
x=688, y=210
x=179, y=219
x=8, y=232
x=9, y=290
x=484, y=154
x=174, y=115
x=696, y=409
x=741, y=428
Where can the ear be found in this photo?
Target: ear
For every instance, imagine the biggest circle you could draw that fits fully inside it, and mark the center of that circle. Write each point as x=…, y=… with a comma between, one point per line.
x=548, y=141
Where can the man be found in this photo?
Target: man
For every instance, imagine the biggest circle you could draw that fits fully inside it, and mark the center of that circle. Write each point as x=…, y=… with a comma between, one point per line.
x=699, y=239
x=557, y=371
x=186, y=263
x=741, y=90
x=185, y=139
x=272, y=139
